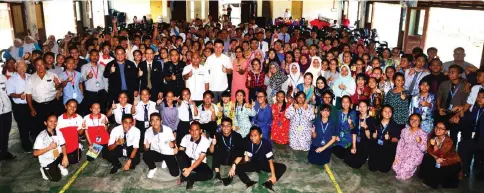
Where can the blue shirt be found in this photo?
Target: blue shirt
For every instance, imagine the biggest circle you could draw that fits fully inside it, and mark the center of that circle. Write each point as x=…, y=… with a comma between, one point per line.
x=72, y=90
x=343, y=128
x=124, y=87
x=326, y=135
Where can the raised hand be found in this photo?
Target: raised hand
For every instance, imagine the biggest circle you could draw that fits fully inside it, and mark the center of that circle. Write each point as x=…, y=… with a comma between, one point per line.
x=349, y=120
x=387, y=136
x=140, y=72
x=173, y=77
x=113, y=106
x=403, y=96
x=22, y=96
x=419, y=139
x=89, y=76
x=432, y=142
x=113, y=69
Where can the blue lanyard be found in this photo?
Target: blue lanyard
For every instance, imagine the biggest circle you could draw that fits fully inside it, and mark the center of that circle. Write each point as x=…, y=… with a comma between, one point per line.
x=452, y=93
x=230, y=144
x=359, y=125
x=344, y=117
x=384, y=128
x=324, y=128
x=257, y=148
x=478, y=116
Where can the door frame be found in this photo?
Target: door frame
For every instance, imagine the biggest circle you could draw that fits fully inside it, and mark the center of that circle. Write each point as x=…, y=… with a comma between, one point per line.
x=407, y=26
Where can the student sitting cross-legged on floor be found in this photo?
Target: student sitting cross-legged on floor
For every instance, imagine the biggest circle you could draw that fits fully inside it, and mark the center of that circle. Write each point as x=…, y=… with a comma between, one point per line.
x=160, y=146
x=192, y=157
x=259, y=157
x=124, y=142
x=50, y=147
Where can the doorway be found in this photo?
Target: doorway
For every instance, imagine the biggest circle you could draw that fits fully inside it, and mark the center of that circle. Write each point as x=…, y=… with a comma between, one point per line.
x=296, y=9
x=416, y=23
x=178, y=10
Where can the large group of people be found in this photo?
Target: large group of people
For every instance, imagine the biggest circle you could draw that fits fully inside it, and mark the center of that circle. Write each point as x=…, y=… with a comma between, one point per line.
x=185, y=91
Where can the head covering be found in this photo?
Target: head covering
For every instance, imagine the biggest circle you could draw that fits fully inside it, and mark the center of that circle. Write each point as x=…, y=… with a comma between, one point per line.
x=302, y=67
x=315, y=71
x=277, y=79
x=347, y=80
x=297, y=77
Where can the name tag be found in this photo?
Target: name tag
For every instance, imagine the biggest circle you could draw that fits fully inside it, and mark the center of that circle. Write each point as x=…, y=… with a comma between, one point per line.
x=125, y=152
x=358, y=139
x=380, y=142
x=147, y=124
x=437, y=165
x=74, y=95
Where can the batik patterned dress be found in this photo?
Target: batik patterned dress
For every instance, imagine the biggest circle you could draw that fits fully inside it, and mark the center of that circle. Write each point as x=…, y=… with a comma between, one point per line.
x=300, y=127
x=409, y=153
x=344, y=130
x=280, y=125
x=242, y=120
x=426, y=112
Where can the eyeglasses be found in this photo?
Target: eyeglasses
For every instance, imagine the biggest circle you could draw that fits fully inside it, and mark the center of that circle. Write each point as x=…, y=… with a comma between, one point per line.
x=439, y=128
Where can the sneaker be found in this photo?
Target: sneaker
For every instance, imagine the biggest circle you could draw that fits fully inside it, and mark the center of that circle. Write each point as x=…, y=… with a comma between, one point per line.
x=250, y=184
x=63, y=170
x=163, y=165
x=151, y=173
x=190, y=184
x=9, y=156
x=43, y=174
x=227, y=181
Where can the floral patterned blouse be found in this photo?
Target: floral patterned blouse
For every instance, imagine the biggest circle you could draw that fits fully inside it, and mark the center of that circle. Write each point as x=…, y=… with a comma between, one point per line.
x=300, y=127
x=242, y=122
x=400, y=107
x=426, y=112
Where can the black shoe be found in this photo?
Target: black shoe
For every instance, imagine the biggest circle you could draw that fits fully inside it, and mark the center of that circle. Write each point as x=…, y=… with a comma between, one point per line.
x=8, y=156
x=115, y=169
x=190, y=184
x=268, y=185
x=250, y=184
x=217, y=176
x=227, y=181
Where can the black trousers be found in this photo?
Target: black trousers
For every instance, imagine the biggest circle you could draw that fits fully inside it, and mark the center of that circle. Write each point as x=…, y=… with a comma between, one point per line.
x=150, y=157
x=21, y=113
x=448, y=176
x=256, y=166
x=219, y=158
x=381, y=157
x=114, y=155
x=141, y=126
x=469, y=149
x=201, y=173
x=182, y=130
x=74, y=157
x=43, y=110
x=340, y=152
x=52, y=170
x=95, y=97
x=5, y=126
x=210, y=128
x=359, y=158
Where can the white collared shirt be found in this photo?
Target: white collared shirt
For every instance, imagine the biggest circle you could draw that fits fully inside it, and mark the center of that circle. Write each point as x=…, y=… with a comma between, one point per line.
x=42, y=90
x=471, y=99
x=16, y=85
x=139, y=110
x=118, y=112
x=160, y=142
x=205, y=115
x=132, y=136
x=5, y=104
x=196, y=83
x=194, y=150
x=43, y=140
x=183, y=113
x=218, y=79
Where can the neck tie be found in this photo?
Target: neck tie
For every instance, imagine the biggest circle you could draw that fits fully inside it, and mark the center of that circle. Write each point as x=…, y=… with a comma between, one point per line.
x=284, y=36
x=149, y=76
x=412, y=84
x=146, y=112
x=314, y=41
x=124, y=113
x=125, y=144
x=260, y=47
x=190, y=115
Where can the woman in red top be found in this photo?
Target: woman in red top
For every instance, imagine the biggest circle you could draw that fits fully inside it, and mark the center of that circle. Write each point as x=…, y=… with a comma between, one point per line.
x=96, y=129
x=255, y=80
x=280, y=124
x=362, y=90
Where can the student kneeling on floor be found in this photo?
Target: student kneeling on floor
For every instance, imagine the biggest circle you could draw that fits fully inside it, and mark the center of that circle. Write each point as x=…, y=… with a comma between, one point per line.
x=259, y=156
x=70, y=125
x=50, y=147
x=441, y=164
x=124, y=142
x=160, y=146
x=192, y=157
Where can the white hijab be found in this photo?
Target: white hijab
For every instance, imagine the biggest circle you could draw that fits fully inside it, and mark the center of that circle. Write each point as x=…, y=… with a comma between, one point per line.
x=315, y=71
x=295, y=78
x=347, y=81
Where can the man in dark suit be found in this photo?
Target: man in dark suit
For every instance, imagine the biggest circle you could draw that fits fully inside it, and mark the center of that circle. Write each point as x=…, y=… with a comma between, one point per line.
x=151, y=75
x=173, y=73
x=122, y=75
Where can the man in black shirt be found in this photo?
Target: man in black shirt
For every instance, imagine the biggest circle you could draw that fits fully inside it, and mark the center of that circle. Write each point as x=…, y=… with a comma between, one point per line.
x=227, y=148
x=436, y=76
x=173, y=73
x=259, y=157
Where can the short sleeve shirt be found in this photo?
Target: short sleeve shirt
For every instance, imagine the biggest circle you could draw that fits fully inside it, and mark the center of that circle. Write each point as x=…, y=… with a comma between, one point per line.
x=194, y=149
x=260, y=152
x=43, y=140
x=159, y=142
x=69, y=127
x=132, y=136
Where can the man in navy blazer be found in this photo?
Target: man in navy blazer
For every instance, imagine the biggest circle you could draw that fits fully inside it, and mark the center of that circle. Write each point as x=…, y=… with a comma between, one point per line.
x=122, y=75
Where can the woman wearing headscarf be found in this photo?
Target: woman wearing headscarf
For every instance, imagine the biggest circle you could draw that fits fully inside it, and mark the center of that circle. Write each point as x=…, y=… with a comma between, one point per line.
x=30, y=45
x=294, y=78
x=319, y=89
x=16, y=51
x=275, y=80
x=304, y=63
x=259, y=54
x=315, y=68
x=344, y=85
